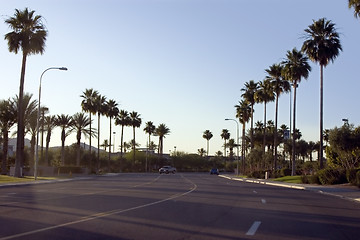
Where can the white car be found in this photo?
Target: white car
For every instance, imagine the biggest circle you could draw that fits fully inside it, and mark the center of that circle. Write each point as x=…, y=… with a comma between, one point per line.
x=167, y=170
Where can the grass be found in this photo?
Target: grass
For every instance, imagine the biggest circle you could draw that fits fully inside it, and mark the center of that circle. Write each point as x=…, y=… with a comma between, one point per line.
x=289, y=179
x=8, y=179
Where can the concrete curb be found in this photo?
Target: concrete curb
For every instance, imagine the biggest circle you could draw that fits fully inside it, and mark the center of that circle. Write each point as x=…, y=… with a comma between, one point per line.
x=293, y=186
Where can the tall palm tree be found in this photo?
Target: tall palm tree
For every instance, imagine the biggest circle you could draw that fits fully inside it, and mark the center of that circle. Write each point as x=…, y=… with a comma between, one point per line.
x=249, y=91
x=50, y=124
x=243, y=113
x=225, y=135
x=28, y=35
x=279, y=85
x=122, y=119
x=64, y=122
x=111, y=111
x=201, y=152
x=80, y=125
x=296, y=67
x=149, y=129
x=265, y=94
x=88, y=104
x=207, y=135
x=356, y=5
x=322, y=45
x=162, y=130
x=42, y=118
x=100, y=103
x=8, y=116
x=135, y=122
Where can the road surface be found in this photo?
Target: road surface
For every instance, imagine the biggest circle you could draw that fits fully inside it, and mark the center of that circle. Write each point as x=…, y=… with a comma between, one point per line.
x=174, y=206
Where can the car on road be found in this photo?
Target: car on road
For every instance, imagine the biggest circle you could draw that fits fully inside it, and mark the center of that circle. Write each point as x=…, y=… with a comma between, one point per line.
x=167, y=170
x=214, y=171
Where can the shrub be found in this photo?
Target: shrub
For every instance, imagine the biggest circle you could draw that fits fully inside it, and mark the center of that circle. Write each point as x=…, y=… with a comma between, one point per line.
x=305, y=179
x=314, y=179
x=257, y=174
x=351, y=175
x=358, y=179
x=332, y=176
x=285, y=172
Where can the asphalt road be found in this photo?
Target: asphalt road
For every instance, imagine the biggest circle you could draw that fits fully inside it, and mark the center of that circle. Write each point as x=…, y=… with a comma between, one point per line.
x=179, y=206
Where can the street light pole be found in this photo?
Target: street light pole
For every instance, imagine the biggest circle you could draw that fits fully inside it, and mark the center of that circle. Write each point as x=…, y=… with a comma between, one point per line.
x=237, y=140
x=38, y=120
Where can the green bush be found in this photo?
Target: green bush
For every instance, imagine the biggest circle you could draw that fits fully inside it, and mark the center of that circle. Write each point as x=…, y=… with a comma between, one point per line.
x=351, y=175
x=332, y=176
x=257, y=174
x=69, y=169
x=305, y=179
x=285, y=172
x=314, y=179
x=358, y=179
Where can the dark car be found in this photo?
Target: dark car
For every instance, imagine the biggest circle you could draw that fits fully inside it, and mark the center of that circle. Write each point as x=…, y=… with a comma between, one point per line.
x=214, y=171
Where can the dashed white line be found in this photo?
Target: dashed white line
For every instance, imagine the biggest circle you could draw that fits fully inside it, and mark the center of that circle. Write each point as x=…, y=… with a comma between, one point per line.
x=254, y=227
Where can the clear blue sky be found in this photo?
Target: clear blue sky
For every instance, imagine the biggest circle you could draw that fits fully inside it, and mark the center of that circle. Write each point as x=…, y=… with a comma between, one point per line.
x=182, y=62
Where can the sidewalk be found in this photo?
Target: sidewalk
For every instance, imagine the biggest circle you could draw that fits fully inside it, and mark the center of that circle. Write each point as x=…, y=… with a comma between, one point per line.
x=344, y=191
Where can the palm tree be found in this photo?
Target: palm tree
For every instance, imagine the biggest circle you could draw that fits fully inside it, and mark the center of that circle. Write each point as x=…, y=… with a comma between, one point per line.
x=111, y=111
x=225, y=135
x=42, y=118
x=296, y=66
x=250, y=89
x=28, y=35
x=7, y=120
x=243, y=113
x=64, y=122
x=88, y=104
x=322, y=45
x=80, y=125
x=356, y=5
x=135, y=122
x=279, y=85
x=265, y=94
x=149, y=129
x=201, y=152
x=123, y=120
x=29, y=108
x=100, y=104
x=207, y=135
x=50, y=124
x=162, y=130
x=31, y=128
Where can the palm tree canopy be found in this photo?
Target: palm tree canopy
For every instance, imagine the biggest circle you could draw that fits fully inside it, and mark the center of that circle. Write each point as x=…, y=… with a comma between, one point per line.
x=111, y=108
x=135, y=120
x=162, y=130
x=28, y=33
x=100, y=105
x=275, y=76
x=207, y=135
x=243, y=111
x=8, y=114
x=356, y=5
x=149, y=128
x=225, y=134
x=322, y=42
x=265, y=92
x=122, y=118
x=80, y=125
x=249, y=91
x=64, y=121
x=296, y=66
x=88, y=103
x=29, y=107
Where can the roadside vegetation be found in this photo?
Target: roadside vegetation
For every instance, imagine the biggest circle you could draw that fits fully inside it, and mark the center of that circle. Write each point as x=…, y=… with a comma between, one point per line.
x=266, y=146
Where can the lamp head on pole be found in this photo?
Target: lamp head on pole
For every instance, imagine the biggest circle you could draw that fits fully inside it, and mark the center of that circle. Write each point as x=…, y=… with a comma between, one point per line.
x=63, y=68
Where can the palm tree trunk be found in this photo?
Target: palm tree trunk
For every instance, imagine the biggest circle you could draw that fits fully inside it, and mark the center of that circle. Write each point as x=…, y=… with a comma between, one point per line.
x=47, y=149
x=98, y=149
x=243, y=148
x=264, y=138
x=109, y=148
x=275, y=132
x=252, y=127
x=90, y=157
x=63, y=147
x=122, y=140
x=20, y=126
x=321, y=118
x=78, y=137
x=134, y=143
x=5, y=151
x=293, y=134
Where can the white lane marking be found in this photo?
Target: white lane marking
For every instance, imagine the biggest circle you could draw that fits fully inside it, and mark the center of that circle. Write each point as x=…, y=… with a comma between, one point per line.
x=254, y=191
x=263, y=201
x=253, y=228
x=103, y=214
